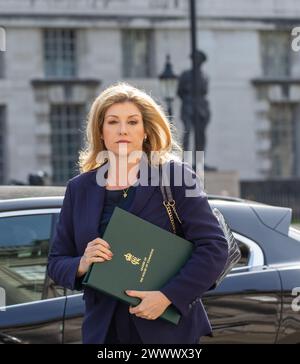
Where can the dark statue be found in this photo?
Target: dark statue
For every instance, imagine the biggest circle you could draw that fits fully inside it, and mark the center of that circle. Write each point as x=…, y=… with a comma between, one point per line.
x=185, y=92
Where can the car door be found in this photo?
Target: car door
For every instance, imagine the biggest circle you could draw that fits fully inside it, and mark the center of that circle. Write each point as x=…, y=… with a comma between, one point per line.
x=246, y=307
x=73, y=317
x=28, y=315
x=74, y=306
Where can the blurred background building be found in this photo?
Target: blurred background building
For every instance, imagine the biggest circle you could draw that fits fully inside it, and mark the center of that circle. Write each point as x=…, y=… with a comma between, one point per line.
x=61, y=54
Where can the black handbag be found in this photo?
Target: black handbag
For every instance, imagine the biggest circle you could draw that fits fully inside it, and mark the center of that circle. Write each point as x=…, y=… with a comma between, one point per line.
x=234, y=253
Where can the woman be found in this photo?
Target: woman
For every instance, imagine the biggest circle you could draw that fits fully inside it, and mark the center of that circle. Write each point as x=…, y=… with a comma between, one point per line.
x=124, y=120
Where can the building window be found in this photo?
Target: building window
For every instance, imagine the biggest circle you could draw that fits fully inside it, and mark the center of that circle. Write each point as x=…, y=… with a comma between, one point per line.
x=66, y=140
x=2, y=64
x=275, y=53
x=281, y=151
x=2, y=144
x=138, y=53
x=60, y=52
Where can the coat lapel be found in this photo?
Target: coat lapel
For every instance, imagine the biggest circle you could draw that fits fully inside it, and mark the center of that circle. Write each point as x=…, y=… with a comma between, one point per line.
x=142, y=197
x=145, y=189
x=94, y=205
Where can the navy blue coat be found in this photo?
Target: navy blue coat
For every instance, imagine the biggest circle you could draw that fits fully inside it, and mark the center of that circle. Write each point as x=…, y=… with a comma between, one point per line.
x=78, y=224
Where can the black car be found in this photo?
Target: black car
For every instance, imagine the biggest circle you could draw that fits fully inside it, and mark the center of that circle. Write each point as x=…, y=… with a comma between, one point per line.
x=258, y=302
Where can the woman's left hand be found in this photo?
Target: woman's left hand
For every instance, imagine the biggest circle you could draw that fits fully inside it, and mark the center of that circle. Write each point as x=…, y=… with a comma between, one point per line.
x=153, y=304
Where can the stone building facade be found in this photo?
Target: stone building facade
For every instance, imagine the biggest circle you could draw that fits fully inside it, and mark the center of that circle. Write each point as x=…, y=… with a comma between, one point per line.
x=61, y=54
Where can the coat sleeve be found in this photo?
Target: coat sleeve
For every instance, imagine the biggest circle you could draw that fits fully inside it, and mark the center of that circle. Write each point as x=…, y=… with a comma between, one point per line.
x=63, y=260
x=210, y=247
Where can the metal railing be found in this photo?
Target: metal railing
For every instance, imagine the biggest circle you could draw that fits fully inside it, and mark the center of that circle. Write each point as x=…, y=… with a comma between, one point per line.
x=285, y=193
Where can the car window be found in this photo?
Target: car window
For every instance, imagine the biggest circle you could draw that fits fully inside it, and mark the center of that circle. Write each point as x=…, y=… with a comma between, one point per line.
x=51, y=288
x=245, y=254
x=24, y=245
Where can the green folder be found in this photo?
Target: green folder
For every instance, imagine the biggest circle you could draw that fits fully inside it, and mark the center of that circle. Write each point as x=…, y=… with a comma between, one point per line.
x=145, y=258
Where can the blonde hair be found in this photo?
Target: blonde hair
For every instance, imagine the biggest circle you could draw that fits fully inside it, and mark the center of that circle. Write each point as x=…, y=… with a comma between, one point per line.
x=160, y=133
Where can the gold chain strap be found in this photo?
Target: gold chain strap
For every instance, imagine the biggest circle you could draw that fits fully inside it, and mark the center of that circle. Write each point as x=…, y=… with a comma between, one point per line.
x=174, y=209
x=168, y=205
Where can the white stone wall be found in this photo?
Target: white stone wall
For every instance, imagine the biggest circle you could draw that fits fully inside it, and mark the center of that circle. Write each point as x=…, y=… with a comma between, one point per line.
x=163, y=8
x=233, y=62
x=107, y=7
x=22, y=62
x=100, y=54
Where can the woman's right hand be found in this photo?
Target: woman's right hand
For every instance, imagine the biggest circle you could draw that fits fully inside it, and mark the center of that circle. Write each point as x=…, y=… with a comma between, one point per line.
x=97, y=250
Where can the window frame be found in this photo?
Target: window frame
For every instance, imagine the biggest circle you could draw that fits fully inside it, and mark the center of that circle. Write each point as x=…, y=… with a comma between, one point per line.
x=256, y=255
x=2, y=65
x=56, y=56
x=129, y=39
x=64, y=139
x=275, y=41
x=3, y=128
x=27, y=212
